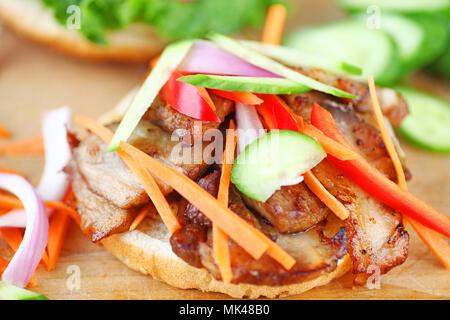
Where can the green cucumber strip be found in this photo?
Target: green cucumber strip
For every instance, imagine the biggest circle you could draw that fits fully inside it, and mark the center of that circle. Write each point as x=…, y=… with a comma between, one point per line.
x=396, y=5
x=274, y=160
x=297, y=58
x=245, y=84
x=268, y=64
x=10, y=292
x=169, y=60
x=352, y=41
x=428, y=124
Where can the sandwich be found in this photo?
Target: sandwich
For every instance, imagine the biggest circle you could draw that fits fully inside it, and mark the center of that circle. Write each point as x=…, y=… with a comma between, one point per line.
x=281, y=192
x=128, y=30
x=245, y=168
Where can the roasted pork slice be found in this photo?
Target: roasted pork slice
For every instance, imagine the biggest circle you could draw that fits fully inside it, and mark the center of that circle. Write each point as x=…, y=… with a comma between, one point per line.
x=391, y=102
x=108, y=176
x=183, y=127
x=377, y=240
x=316, y=251
x=99, y=217
x=291, y=209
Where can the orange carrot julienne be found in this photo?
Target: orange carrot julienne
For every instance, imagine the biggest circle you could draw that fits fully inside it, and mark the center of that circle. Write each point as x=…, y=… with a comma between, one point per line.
x=205, y=95
x=438, y=246
x=13, y=237
x=59, y=223
x=30, y=147
x=273, y=28
x=4, y=133
x=143, y=213
x=242, y=97
x=237, y=228
x=155, y=194
x=385, y=135
x=327, y=198
x=330, y=146
x=7, y=201
x=220, y=239
x=145, y=178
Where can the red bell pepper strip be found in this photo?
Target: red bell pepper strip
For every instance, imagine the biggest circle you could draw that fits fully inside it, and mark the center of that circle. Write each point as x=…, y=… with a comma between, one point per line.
x=186, y=99
x=375, y=183
x=275, y=113
x=241, y=97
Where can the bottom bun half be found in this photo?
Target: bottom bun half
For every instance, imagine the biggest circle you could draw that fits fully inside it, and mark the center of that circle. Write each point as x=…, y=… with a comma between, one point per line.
x=148, y=250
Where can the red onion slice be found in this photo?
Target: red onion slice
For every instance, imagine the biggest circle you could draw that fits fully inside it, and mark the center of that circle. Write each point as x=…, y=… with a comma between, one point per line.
x=207, y=57
x=22, y=265
x=249, y=126
x=54, y=182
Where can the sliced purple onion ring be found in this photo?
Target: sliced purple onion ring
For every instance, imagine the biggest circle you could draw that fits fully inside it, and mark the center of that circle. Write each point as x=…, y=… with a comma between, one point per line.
x=207, y=57
x=54, y=182
x=25, y=261
x=249, y=127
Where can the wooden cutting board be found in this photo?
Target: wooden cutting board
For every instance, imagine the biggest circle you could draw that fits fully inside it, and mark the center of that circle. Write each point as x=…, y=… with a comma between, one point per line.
x=34, y=79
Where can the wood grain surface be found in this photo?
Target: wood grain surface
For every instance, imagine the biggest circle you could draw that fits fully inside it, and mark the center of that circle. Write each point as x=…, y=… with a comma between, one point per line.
x=34, y=79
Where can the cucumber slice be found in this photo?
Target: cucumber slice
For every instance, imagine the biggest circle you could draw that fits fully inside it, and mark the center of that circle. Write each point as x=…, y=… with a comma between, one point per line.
x=245, y=84
x=169, y=60
x=10, y=292
x=268, y=64
x=437, y=35
x=408, y=35
x=351, y=41
x=396, y=5
x=442, y=65
x=428, y=124
x=273, y=160
x=297, y=58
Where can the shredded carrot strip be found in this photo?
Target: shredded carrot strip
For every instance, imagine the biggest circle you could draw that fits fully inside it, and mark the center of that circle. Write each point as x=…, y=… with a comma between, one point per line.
x=7, y=201
x=4, y=133
x=438, y=246
x=205, y=95
x=140, y=217
x=145, y=178
x=12, y=171
x=221, y=251
x=59, y=223
x=155, y=194
x=330, y=146
x=386, y=136
x=273, y=29
x=13, y=237
x=327, y=198
x=30, y=147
